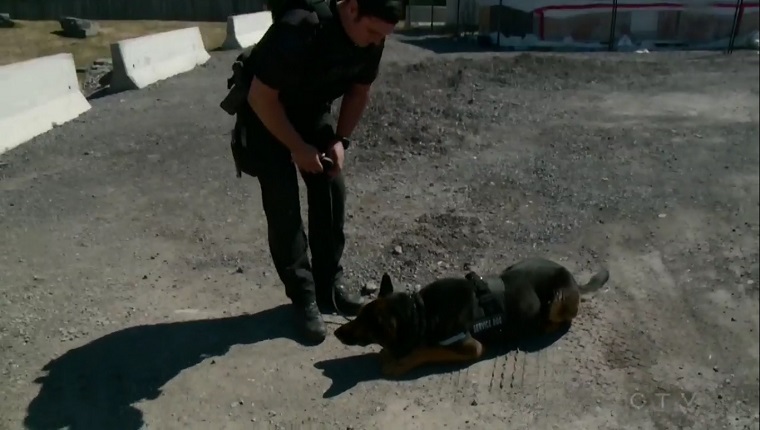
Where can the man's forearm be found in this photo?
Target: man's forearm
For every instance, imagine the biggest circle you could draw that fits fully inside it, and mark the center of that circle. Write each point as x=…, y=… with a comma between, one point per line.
x=351, y=110
x=268, y=108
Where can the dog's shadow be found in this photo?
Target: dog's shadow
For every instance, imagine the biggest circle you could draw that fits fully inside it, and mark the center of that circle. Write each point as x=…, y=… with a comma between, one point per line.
x=347, y=372
x=95, y=386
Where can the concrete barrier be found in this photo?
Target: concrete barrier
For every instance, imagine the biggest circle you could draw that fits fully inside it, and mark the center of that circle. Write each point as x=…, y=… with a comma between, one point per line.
x=37, y=95
x=246, y=30
x=144, y=60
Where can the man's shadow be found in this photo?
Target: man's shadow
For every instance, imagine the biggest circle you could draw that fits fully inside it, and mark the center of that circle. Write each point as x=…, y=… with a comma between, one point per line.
x=93, y=387
x=347, y=372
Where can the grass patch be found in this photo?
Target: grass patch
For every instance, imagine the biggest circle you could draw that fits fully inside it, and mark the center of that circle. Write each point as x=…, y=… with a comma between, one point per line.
x=33, y=39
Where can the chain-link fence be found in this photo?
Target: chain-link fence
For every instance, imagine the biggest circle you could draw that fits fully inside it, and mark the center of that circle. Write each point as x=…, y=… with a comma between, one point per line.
x=440, y=16
x=614, y=26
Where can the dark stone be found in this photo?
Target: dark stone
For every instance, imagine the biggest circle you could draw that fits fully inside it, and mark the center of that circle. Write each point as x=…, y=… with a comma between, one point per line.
x=6, y=21
x=78, y=28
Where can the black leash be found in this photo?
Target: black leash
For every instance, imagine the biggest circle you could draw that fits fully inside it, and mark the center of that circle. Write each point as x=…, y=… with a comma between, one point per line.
x=327, y=165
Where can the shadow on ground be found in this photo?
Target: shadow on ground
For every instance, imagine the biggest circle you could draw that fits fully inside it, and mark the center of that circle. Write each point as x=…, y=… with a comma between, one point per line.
x=100, y=93
x=347, y=372
x=93, y=387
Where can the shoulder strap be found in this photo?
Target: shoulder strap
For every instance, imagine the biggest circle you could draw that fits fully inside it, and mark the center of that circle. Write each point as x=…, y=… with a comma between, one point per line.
x=297, y=12
x=238, y=67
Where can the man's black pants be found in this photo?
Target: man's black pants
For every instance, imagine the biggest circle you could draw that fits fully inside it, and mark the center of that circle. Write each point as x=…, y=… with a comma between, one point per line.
x=288, y=243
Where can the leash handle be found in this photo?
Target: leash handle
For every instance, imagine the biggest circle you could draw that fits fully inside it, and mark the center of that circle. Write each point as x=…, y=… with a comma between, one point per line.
x=327, y=163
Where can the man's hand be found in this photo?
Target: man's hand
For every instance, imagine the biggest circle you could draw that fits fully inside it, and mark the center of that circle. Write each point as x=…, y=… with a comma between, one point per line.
x=306, y=158
x=336, y=154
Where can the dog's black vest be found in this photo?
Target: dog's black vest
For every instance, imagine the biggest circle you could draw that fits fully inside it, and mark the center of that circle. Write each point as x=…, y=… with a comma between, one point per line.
x=489, y=311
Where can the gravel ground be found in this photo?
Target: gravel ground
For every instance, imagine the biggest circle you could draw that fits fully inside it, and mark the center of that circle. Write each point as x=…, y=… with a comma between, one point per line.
x=137, y=291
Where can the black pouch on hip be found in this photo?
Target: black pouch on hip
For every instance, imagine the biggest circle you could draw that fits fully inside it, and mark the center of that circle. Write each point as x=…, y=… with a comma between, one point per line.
x=242, y=153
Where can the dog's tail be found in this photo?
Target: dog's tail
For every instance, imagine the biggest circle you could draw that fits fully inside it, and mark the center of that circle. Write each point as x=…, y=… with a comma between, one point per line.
x=596, y=282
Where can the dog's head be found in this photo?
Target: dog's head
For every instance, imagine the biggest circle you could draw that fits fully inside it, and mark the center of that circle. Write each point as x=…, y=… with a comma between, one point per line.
x=383, y=321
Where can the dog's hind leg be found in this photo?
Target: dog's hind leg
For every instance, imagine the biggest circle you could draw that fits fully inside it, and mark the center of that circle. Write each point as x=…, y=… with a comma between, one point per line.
x=563, y=309
x=466, y=351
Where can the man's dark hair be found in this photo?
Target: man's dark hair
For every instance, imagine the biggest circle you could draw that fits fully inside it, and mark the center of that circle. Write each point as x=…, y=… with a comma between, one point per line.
x=389, y=11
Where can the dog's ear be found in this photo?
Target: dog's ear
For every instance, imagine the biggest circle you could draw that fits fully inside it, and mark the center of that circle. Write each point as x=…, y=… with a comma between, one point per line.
x=386, y=285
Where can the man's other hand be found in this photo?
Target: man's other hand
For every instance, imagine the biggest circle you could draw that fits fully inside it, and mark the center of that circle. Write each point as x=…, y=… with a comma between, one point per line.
x=306, y=158
x=336, y=154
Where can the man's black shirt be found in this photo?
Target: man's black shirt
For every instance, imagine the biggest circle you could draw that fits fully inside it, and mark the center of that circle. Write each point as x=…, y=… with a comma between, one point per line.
x=312, y=70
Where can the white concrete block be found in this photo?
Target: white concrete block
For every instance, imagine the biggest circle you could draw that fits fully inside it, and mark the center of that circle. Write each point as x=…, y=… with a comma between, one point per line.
x=246, y=30
x=144, y=60
x=36, y=95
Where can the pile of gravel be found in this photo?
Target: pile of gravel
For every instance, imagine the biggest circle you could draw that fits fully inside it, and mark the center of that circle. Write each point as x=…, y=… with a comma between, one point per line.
x=429, y=108
x=97, y=76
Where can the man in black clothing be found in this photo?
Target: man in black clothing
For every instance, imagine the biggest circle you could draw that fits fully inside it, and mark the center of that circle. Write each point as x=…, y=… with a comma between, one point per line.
x=301, y=65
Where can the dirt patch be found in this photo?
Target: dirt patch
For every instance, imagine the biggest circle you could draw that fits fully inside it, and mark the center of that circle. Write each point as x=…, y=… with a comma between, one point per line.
x=33, y=39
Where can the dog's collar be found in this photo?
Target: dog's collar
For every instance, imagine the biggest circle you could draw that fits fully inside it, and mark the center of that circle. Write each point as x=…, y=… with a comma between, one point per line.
x=415, y=334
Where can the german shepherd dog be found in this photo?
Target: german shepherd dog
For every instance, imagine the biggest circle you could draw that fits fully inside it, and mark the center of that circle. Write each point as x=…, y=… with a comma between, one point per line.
x=450, y=319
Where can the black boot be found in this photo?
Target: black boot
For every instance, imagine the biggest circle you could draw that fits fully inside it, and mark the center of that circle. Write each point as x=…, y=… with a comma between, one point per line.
x=313, y=325
x=347, y=301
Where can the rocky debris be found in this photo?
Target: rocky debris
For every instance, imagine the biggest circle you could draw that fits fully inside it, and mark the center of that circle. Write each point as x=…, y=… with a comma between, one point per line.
x=370, y=288
x=78, y=27
x=97, y=76
x=6, y=21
